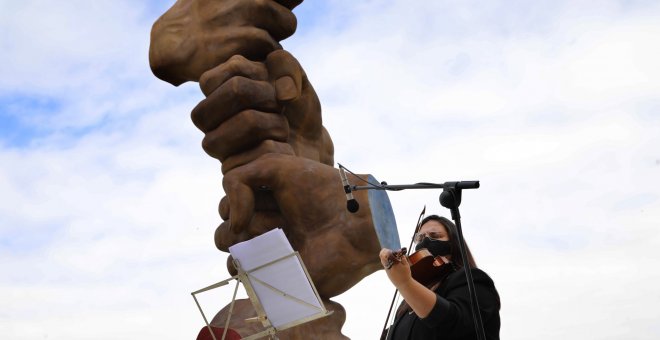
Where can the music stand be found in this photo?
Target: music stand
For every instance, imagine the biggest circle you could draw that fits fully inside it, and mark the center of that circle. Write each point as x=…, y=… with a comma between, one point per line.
x=277, y=283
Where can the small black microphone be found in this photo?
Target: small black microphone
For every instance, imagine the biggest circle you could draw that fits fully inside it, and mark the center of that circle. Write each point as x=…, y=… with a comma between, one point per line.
x=351, y=204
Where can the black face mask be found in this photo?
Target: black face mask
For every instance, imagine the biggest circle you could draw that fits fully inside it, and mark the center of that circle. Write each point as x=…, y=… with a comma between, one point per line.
x=435, y=247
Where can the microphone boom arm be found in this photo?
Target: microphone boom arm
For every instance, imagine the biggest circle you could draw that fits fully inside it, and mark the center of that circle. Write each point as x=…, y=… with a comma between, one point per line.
x=384, y=186
x=451, y=199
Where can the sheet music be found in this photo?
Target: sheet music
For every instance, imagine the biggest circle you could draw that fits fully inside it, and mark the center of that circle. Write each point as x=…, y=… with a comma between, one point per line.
x=286, y=275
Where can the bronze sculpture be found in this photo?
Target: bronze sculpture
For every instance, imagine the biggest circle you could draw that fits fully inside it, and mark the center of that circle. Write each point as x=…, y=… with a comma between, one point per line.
x=262, y=119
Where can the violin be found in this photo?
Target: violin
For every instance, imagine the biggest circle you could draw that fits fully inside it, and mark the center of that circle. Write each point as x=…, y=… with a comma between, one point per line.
x=424, y=267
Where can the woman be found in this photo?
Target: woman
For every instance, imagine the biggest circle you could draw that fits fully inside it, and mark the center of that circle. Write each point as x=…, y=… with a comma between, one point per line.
x=441, y=310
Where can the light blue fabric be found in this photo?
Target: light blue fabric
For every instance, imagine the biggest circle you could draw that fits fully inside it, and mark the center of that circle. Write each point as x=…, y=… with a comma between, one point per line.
x=383, y=218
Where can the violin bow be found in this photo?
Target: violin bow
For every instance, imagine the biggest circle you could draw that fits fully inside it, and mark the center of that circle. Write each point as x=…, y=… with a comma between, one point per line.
x=417, y=227
x=389, y=312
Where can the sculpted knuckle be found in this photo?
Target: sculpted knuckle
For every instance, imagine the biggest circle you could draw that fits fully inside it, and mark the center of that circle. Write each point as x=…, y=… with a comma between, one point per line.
x=265, y=126
x=281, y=127
x=213, y=148
x=235, y=64
x=249, y=119
x=236, y=59
x=198, y=114
x=261, y=3
x=235, y=85
x=204, y=80
x=229, y=182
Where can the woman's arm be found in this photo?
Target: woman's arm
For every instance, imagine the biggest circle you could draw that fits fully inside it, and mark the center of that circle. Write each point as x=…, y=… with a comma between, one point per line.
x=418, y=297
x=452, y=311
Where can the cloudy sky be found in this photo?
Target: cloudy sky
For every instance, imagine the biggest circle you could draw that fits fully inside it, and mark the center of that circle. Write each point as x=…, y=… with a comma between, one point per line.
x=108, y=203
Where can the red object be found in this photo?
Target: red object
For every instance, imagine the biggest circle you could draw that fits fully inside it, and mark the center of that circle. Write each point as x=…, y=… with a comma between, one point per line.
x=205, y=334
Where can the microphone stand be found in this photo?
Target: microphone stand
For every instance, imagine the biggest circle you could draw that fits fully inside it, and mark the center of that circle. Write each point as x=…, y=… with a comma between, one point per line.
x=449, y=198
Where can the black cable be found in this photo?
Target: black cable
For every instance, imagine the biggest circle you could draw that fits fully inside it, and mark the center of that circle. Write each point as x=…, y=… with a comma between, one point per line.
x=377, y=185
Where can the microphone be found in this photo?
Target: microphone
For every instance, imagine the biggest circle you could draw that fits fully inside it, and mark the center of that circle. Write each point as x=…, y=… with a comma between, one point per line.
x=351, y=204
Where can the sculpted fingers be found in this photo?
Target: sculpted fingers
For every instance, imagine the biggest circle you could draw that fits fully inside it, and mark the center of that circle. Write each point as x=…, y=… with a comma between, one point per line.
x=237, y=138
x=223, y=208
x=235, y=95
x=264, y=205
x=243, y=132
x=251, y=28
x=236, y=115
x=265, y=147
x=236, y=66
x=219, y=44
x=286, y=74
x=302, y=105
x=225, y=236
x=270, y=16
x=193, y=36
x=290, y=4
x=241, y=203
x=241, y=184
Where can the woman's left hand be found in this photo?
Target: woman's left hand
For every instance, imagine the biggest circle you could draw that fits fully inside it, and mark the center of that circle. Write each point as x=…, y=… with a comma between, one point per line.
x=399, y=273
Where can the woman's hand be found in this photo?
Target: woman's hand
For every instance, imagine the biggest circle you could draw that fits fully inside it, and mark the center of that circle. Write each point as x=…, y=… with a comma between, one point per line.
x=418, y=297
x=399, y=272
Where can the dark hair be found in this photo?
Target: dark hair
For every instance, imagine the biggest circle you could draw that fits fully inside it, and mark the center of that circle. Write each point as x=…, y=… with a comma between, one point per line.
x=453, y=239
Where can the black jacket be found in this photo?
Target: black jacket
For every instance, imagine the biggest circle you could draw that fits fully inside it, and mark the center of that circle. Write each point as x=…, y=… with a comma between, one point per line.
x=451, y=317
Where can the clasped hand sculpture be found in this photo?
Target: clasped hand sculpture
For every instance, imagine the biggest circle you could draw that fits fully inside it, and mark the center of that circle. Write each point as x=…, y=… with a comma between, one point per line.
x=261, y=118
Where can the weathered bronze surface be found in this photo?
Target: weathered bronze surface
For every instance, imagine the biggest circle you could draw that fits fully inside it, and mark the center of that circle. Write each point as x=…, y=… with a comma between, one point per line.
x=261, y=118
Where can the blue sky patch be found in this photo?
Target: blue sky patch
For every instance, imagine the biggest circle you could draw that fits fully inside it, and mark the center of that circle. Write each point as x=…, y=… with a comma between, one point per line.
x=19, y=115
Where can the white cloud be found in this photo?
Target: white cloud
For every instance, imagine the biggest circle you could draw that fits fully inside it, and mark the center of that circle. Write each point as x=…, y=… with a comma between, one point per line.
x=548, y=118
x=553, y=106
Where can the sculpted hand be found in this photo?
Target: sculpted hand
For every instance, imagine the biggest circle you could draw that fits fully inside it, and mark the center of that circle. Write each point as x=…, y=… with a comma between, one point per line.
x=262, y=119
x=337, y=247
x=253, y=108
x=195, y=35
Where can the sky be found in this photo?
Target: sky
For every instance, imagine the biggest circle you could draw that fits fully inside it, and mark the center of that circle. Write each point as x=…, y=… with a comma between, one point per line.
x=108, y=203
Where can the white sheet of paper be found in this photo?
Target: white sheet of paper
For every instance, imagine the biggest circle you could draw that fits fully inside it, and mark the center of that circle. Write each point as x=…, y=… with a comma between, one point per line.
x=286, y=275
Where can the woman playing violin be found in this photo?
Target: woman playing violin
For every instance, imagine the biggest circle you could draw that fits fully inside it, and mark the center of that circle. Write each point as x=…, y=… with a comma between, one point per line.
x=441, y=308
